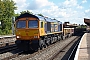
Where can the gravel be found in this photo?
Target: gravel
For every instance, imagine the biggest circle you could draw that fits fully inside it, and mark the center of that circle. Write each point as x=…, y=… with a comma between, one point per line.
x=4, y=55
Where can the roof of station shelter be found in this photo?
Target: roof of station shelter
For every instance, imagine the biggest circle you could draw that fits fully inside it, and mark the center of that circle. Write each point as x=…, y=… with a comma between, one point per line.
x=87, y=21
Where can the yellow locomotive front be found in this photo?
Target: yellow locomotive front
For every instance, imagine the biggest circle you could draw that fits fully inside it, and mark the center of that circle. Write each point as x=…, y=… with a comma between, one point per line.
x=27, y=29
x=27, y=32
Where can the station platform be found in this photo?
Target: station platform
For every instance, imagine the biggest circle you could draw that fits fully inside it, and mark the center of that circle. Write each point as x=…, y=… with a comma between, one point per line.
x=6, y=36
x=83, y=50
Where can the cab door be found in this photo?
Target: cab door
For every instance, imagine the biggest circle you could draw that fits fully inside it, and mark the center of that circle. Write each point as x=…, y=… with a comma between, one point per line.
x=42, y=28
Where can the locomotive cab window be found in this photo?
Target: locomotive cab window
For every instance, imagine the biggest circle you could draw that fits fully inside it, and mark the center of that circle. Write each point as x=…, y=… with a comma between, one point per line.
x=21, y=24
x=32, y=24
x=41, y=24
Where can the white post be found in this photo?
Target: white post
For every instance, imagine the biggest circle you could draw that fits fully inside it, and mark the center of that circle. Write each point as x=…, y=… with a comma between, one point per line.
x=13, y=20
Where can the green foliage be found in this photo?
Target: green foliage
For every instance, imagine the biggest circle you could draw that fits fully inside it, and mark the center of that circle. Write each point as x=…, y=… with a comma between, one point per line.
x=26, y=12
x=7, y=8
x=82, y=26
x=16, y=15
x=40, y=15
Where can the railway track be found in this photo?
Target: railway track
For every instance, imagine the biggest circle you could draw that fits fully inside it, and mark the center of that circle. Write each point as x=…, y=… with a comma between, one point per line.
x=47, y=53
x=72, y=54
x=7, y=48
x=60, y=54
x=9, y=52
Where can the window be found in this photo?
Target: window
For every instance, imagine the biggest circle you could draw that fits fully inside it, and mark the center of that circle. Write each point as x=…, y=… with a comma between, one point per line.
x=21, y=24
x=56, y=27
x=41, y=24
x=33, y=24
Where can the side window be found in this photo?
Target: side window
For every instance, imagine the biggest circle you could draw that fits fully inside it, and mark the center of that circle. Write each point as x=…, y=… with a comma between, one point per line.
x=41, y=24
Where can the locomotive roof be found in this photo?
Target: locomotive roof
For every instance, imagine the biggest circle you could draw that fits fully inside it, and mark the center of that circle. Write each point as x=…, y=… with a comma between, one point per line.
x=30, y=15
x=38, y=17
x=48, y=19
x=26, y=15
x=51, y=20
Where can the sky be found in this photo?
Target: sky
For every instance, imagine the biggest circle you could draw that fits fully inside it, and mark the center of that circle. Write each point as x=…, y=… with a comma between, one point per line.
x=73, y=11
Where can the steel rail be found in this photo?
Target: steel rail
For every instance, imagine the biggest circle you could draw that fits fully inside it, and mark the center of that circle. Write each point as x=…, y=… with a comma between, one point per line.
x=7, y=48
x=57, y=53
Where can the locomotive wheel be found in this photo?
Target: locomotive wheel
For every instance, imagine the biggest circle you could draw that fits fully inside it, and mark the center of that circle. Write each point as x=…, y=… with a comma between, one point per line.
x=51, y=41
x=58, y=38
x=40, y=48
x=48, y=43
x=44, y=43
x=40, y=44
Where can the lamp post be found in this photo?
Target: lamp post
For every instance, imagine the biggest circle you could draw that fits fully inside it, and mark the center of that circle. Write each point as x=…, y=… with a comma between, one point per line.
x=13, y=20
x=0, y=23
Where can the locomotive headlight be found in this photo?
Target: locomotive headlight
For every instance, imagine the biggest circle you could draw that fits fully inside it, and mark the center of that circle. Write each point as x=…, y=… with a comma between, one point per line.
x=18, y=36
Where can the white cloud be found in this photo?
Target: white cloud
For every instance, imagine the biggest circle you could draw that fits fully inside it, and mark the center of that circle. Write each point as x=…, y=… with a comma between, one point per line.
x=21, y=5
x=87, y=11
x=37, y=4
x=70, y=3
x=20, y=2
x=43, y=3
x=84, y=1
x=67, y=11
x=80, y=7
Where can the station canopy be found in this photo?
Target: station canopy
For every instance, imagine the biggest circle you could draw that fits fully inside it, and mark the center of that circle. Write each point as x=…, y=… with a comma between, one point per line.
x=87, y=21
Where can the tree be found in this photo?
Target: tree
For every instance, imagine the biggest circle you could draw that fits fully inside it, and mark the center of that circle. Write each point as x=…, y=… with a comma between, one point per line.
x=7, y=8
x=2, y=8
x=26, y=12
x=16, y=15
x=40, y=15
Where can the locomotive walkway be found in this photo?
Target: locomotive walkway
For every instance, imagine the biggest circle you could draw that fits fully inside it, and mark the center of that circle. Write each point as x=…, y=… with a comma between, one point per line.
x=83, y=50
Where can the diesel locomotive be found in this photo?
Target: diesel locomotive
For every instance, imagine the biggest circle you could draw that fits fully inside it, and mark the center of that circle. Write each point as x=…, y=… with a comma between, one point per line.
x=33, y=31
